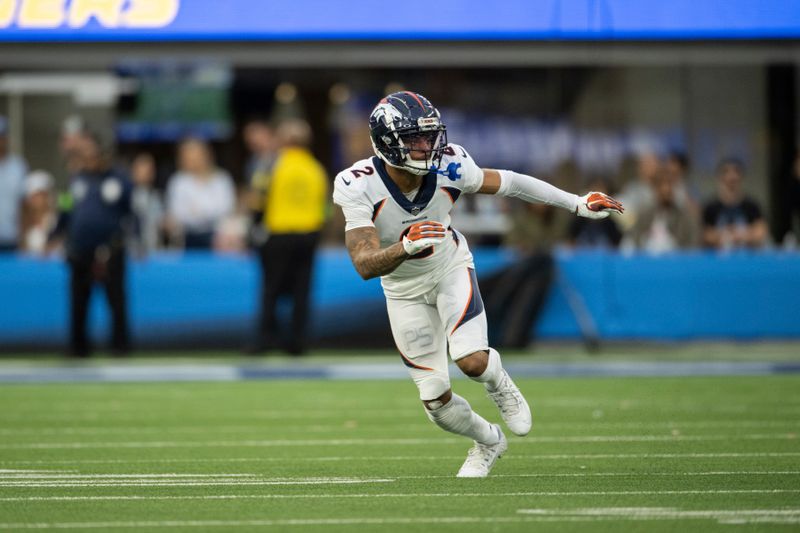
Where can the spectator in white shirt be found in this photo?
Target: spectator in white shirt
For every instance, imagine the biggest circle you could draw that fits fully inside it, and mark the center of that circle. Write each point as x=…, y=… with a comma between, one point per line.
x=39, y=214
x=199, y=195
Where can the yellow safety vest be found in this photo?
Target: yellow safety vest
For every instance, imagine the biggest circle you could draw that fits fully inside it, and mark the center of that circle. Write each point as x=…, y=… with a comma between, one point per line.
x=297, y=195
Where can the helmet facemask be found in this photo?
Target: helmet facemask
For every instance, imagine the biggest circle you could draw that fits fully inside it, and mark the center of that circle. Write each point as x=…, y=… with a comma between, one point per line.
x=429, y=144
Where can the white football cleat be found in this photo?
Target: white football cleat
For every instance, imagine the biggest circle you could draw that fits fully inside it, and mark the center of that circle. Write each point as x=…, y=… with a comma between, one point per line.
x=481, y=457
x=513, y=407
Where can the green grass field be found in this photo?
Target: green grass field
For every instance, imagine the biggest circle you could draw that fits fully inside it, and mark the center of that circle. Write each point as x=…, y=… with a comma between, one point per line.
x=610, y=454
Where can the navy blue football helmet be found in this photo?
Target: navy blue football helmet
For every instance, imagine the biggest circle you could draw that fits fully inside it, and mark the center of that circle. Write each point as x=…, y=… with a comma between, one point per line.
x=401, y=117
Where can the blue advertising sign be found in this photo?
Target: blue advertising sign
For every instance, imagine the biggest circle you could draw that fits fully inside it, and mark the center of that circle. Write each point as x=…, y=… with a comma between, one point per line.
x=214, y=20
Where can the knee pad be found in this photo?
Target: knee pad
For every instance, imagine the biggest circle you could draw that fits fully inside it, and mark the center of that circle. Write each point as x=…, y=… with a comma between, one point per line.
x=431, y=385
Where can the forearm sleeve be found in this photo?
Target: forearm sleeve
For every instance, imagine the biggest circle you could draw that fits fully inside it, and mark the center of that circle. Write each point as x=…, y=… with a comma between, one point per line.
x=532, y=190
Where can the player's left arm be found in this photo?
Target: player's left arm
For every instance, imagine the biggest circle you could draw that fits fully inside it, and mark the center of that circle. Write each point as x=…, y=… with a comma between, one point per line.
x=530, y=189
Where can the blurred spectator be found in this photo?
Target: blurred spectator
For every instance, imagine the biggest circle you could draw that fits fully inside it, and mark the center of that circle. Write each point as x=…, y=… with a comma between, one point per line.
x=262, y=145
x=260, y=140
x=295, y=203
x=676, y=166
x=147, y=204
x=666, y=225
x=589, y=233
x=792, y=239
x=12, y=178
x=199, y=195
x=38, y=214
x=231, y=235
x=95, y=225
x=481, y=219
x=637, y=195
x=732, y=220
x=536, y=227
x=69, y=144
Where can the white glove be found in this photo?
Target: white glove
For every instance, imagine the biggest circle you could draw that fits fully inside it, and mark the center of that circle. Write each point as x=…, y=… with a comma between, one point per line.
x=597, y=205
x=422, y=236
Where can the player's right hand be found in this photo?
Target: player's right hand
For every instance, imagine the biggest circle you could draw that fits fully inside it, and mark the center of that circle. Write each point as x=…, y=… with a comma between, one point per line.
x=423, y=235
x=598, y=205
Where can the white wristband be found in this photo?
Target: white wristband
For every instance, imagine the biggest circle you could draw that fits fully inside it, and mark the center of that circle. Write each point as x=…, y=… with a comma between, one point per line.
x=532, y=190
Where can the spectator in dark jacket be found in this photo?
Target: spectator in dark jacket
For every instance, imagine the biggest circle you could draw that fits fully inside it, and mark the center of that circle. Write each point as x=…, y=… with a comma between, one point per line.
x=94, y=223
x=588, y=233
x=732, y=220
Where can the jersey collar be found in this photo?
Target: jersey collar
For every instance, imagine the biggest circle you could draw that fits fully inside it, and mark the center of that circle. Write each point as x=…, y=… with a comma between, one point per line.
x=424, y=195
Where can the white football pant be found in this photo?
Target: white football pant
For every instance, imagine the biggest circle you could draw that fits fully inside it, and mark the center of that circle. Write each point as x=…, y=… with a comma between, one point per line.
x=451, y=315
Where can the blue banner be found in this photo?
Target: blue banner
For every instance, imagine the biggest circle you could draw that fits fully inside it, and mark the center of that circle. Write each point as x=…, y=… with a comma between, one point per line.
x=213, y=20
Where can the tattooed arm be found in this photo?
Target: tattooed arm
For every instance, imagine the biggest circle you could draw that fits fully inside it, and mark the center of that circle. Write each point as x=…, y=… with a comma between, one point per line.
x=367, y=255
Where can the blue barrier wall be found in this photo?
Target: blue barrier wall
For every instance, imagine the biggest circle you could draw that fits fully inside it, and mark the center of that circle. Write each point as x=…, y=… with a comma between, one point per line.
x=199, y=298
x=678, y=297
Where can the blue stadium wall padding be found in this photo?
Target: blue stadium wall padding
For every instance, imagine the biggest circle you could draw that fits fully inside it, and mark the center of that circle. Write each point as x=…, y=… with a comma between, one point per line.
x=195, y=297
x=683, y=296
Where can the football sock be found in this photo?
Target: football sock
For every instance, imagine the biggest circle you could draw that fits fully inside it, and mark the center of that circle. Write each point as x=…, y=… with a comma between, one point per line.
x=456, y=416
x=493, y=374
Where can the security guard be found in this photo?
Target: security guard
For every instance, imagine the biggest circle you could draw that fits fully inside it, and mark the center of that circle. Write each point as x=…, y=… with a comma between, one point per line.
x=295, y=201
x=95, y=215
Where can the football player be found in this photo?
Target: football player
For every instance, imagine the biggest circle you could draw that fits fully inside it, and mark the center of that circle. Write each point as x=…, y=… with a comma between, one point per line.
x=397, y=210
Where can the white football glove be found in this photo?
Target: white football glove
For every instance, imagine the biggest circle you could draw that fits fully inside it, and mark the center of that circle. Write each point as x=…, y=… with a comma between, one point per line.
x=422, y=236
x=597, y=205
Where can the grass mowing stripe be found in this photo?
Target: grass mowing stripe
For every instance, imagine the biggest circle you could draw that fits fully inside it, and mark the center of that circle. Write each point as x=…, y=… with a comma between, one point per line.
x=290, y=522
x=381, y=442
x=334, y=458
x=334, y=427
x=87, y=481
x=190, y=478
x=401, y=495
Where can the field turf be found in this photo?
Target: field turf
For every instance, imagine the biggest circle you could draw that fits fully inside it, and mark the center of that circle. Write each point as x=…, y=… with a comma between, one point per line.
x=605, y=454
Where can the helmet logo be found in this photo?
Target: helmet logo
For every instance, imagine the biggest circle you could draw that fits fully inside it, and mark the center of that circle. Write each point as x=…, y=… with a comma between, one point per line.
x=429, y=122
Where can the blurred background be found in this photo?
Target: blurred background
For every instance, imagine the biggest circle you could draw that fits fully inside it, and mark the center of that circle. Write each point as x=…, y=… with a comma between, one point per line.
x=686, y=111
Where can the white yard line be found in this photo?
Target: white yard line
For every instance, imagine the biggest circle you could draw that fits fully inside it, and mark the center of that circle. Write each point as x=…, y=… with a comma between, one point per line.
x=172, y=480
x=625, y=474
x=34, y=474
x=85, y=484
x=722, y=516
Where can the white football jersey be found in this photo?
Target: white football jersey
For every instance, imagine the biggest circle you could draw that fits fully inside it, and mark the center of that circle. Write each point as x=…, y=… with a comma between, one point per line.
x=369, y=197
